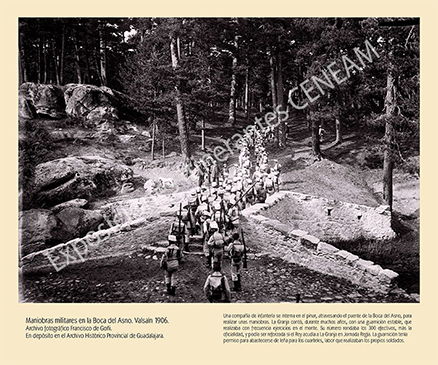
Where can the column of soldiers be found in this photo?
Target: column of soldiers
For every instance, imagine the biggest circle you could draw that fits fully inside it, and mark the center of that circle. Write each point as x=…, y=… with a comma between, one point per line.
x=212, y=212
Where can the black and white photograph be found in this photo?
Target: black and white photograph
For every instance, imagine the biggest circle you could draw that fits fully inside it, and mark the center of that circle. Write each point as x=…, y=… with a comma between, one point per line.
x=219, y=160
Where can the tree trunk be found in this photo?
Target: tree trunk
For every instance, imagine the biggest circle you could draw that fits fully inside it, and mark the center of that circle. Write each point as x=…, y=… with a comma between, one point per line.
x=61, y=64
x=20, y=69
x=232, y=108
x=153, y=140
x=203, y=135
x=274, y=92
x=178, y=47
x=40, y=61
x=77, y=61
x=22, y=61
x=280, y=100
x=388, y=161
x=388, y=165
x=338, y=131
x=246, y=98
x=55, y=63
x=182, y=125
x=87, y=76
x=102, y=58
x=316, y=148
x=45, y=61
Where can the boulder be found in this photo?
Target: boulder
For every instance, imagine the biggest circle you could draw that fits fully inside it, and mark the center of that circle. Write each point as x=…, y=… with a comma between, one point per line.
x=36, y=230
x=41, y=228
x=26, y=109
x=90, y=103
x=75, y=203
x=83, y=177
x=47, y=99
x=152, y=186
x=77, y=222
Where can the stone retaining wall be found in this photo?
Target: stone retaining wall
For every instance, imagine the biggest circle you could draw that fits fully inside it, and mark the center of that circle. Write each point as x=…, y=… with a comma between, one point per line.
x=335, y=220
x=302, y=248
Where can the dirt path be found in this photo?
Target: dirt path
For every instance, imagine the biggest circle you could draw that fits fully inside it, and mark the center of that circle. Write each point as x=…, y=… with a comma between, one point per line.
x=136, y=278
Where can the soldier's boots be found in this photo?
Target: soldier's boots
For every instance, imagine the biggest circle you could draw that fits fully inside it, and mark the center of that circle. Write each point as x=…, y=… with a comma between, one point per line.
x=172, y=290
x=239, y=284
x=169, y=290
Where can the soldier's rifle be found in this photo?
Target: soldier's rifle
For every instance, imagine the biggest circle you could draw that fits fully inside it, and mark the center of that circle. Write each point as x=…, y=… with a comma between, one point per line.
x=243, y=195
x=245, y=263
x=180, y=236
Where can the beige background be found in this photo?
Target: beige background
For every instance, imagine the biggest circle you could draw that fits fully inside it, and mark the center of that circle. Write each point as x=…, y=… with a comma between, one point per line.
x=195, y=333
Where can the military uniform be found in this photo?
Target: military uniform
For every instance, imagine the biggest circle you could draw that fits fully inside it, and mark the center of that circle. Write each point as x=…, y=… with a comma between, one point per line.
x=180, y=231
x=216, y=287
x=216, y=244
x=170, y=262
x=260, y=193
x=269, y=184
x=236, y=251
x=214, y=173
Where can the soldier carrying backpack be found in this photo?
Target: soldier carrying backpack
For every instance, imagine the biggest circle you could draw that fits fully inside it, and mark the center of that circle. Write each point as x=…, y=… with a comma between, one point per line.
x=216, y=286
x=216, y=244
x=169, y=263
x=236, y=251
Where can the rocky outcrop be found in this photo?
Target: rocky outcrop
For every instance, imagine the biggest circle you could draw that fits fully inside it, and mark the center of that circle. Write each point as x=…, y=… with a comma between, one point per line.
x=61, y=180
x=48, y=100
x=91, y=103
x=74, y=203
x=26, y=110
x=37, y=229
x=77, y=222
x=41, y=228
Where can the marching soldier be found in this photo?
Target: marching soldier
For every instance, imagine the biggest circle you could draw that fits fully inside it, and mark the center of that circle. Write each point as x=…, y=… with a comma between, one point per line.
x=216, y=287
x=269, y=184
x=235, y=250
x=216, y=244
x=276, y=171
x=207, y=231
x=233, y=214
x=170, y=262
x=179, y=230
x=260, y=192
x=214, y=173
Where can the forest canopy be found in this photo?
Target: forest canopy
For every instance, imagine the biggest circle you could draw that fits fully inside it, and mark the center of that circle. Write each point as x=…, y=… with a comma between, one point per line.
x=186, y=70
